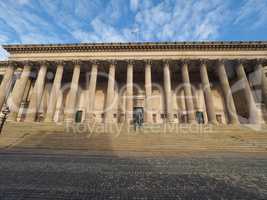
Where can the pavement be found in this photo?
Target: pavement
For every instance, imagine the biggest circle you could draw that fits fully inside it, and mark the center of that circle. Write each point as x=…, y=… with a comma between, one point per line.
x=223, y=164
x=41, y=175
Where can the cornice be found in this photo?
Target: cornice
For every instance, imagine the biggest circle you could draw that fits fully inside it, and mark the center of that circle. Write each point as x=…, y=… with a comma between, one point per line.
x=161, y=46
x=4, y=63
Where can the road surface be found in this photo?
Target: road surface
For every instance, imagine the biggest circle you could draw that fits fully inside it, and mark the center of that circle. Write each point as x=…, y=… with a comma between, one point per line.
x=77, y=176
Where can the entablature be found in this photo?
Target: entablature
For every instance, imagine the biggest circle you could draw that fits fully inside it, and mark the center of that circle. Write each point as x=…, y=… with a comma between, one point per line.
x=146, y=46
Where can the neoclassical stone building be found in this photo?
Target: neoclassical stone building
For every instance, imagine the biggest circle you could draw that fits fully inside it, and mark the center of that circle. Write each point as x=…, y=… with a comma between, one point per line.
x=176, y=82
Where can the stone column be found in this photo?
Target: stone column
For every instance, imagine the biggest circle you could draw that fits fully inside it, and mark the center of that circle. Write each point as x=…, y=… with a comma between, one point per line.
x=262, y=80
x=229, y=100
x=37, y=94
x=91, y=91
x=188, y=93
x=148, y=88
x=6, y=83
x=207, y=93
x=54, y=93
x=129, y=93
x=254, y=116
x=72, y=96
x=168, y=91
x=18, y=91
x=110, y=94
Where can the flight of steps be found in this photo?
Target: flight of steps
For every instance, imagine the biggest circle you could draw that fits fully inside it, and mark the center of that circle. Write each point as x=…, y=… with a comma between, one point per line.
x=153, y=139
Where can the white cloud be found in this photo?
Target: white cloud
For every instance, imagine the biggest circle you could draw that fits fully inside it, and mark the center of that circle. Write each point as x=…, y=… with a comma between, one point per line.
x=106, y=32
x=168, y=20
x=186, y=20
x=84, y=36
x=3, y=38
x=134, y=5
x=3, y=54
x=253, y=12
x=85, y=9
x=102, y=32
x=58, y=21
x=30, y=27
x=23, y=2
x=35, y=38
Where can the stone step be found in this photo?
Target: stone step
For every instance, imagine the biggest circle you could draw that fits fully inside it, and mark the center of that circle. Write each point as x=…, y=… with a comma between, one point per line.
x=144, y=129
x=54, y=136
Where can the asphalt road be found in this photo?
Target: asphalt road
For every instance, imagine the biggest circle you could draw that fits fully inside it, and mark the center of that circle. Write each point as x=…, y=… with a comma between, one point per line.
x=40, y=176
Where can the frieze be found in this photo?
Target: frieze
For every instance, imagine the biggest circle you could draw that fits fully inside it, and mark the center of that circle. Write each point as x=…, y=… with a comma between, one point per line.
x=131, y=61
x=167, y=46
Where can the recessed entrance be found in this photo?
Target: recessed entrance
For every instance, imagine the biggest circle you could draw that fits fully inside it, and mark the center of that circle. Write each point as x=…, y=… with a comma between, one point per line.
x=200, y=117
x=138, y=114
x=78, y=116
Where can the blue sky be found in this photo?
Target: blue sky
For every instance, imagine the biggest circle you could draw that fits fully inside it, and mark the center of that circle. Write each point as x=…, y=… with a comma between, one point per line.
x=74, y=21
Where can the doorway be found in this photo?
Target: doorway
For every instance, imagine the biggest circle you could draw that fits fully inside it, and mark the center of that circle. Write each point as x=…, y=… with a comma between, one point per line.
x=78, y=116
x=200, y=117
x=138, y=112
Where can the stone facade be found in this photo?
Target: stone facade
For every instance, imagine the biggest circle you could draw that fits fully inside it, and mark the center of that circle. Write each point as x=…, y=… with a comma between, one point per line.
x=203, y=82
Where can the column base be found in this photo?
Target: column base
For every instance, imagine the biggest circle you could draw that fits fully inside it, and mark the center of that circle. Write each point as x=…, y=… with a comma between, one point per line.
x=148, y=118
x=234, y=122
x=90, y=118
x=213, y=122
x=30, y=118
x=128, y=121
x=192, y=122
x=69, y=117
x=128, y=117
x=12, y=116
x=108, y=127
x=49, y=118
x=69, y=120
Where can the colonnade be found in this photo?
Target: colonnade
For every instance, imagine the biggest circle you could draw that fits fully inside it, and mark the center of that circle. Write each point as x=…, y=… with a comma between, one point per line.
x=35, y=99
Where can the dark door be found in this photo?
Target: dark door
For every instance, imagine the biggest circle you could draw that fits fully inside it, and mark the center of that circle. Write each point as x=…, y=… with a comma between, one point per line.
x=200, y=117
x=138, y=111
x=78, y=116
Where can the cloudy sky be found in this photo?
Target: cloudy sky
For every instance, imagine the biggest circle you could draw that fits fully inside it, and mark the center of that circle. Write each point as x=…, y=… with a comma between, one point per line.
x=73, y=21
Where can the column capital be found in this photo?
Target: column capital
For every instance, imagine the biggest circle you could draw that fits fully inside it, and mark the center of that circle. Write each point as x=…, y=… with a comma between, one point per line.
x=148, y=62
x=44, y=62
x=95, y=62
x=260, y=61
x=185, y=61
x=240, y=61
x=166, y=61
x=204, y=61
x=112, y=62
x=12, y=63
x=130, y=62
x=77, y=62
x=60, y=62
x=27, y=63
x=222, y=61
